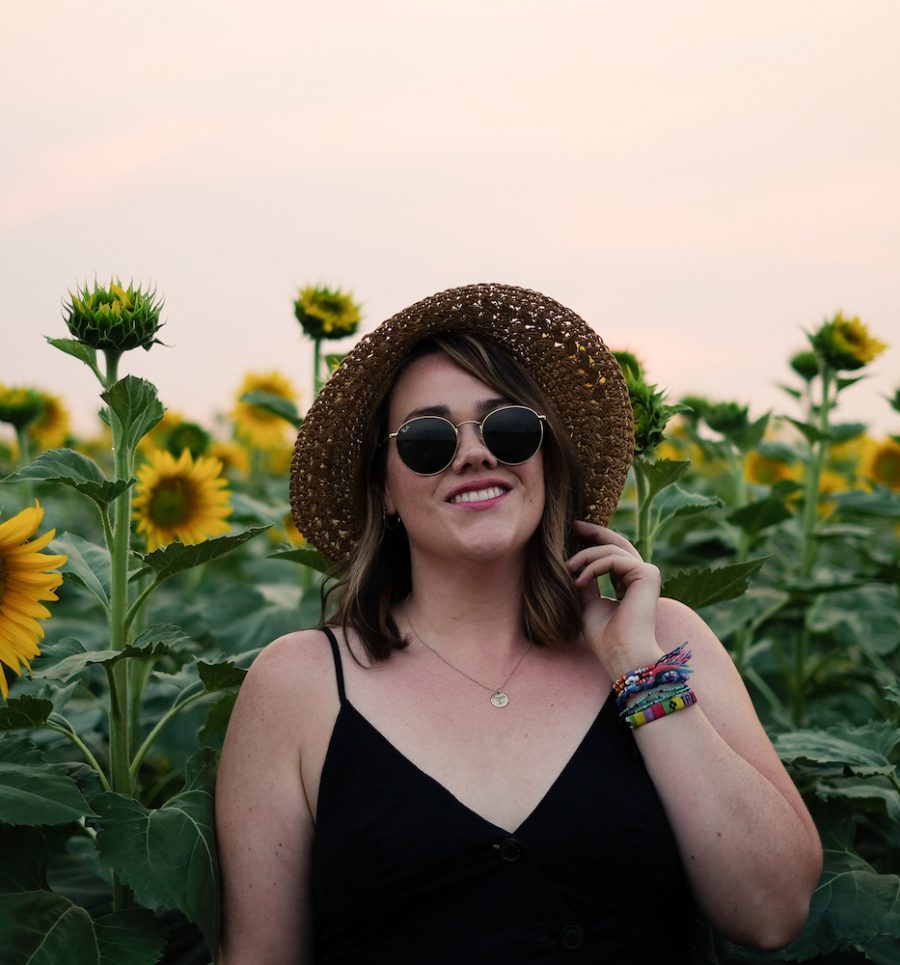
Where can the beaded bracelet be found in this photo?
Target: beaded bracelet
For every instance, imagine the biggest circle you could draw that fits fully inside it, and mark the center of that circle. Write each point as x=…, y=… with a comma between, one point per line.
x=654, y=698
x=669, y=669
x=662, y=708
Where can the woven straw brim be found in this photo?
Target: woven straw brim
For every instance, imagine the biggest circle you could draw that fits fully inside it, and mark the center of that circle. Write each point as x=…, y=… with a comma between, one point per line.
x=564, y=356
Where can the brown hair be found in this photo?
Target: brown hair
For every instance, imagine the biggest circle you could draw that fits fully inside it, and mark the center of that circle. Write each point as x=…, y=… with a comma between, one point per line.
x=378, y=576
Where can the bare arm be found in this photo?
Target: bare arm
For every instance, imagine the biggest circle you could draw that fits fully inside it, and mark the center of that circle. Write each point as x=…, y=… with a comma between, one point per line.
x=263, y=823
x=749, y=846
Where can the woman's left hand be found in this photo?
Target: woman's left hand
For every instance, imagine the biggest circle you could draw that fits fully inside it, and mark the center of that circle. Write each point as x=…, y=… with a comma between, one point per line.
x=621, y=633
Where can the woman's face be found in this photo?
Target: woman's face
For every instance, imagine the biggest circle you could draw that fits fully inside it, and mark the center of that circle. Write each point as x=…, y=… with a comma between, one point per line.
x=477, y=509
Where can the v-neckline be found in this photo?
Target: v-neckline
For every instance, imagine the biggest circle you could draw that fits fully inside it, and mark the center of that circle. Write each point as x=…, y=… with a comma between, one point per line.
x=453, y=798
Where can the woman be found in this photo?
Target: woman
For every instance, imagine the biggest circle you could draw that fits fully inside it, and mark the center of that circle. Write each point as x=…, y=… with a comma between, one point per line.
x=481, y=756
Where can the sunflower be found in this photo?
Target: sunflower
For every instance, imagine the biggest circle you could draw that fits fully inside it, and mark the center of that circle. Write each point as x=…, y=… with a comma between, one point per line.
x=51, y=428
x=766, y=471
x=881, y=463
x=845, y=343
x=24, y=582
x=232, y=455
x=19, y=406
x=182, y=499
x=326, y=313
x=257, y=426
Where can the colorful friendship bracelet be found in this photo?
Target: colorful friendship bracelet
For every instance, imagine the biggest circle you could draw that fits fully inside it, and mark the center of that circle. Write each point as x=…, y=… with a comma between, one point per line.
x=654, y=698
x=671, y=668
x=662, y=708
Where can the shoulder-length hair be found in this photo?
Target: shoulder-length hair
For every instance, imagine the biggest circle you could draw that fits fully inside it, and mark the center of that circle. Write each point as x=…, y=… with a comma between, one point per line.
x=378, y=575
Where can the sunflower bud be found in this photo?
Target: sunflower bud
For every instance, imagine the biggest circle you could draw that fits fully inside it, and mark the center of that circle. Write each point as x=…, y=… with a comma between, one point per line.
x=324, y=313
x=651, y=414
x=726, y=418
x=845, y=343
x=114, y=318
x=806, y=365
x=190, y=436
x=20, y=407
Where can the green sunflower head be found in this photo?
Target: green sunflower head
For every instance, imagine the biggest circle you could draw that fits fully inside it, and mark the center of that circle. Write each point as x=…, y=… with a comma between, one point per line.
x=190, y=436
x=114, y=318
x=19, y=406
x=845, y=343
x=727, y=418
x=326, y=313
x=806, y=365
x=651, y=413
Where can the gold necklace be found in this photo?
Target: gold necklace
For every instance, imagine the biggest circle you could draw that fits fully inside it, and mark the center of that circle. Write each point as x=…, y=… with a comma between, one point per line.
x=499, y=697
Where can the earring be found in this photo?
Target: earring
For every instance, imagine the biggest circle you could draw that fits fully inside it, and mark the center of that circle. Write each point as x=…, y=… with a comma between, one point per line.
x=392, y=521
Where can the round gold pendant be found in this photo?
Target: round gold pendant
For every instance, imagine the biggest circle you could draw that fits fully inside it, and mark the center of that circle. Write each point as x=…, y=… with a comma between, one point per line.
x=499, y=699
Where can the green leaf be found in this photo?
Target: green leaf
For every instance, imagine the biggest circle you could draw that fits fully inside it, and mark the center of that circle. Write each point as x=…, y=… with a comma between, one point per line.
x=21, y=713
x=701, y=586
x=758, y=516
x=880, y=503
x=852, y=903
x=792, y=392
x=862, y=751
x=845, y=383
x=661, y=473
x=84, y=353
x=135, y=407
x=268, y=401
x=155, y=641
x=247, y=509
x=168, y=560
x=167, y=856
x=70, y=468
x=751, y=435
x=219, y=676
x=25, y=859
x=843, y=431
x=749, y=611
x=33, y=791
x=810, y=431
x=875, y=792
x=307, y=556
x=675, y=501
x=43, y=928
x=88, y=562
x=217, y=716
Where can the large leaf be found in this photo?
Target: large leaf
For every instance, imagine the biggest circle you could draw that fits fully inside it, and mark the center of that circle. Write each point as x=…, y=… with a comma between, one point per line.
x=759, y=515
x=852, y=903
x=749, y=611
x=862, y=751
x=43, y=928
x=306, y=556
x=874, y=793
x=663, y=473
x=70, y=468
x=219, y=676
x=78, y=350
x=33, y=791
x=25, y=859
x=176, y=557
x=751, y=435
x=167, y=856
x=675, y=501
x=134, y=404
x=88, y=563
x=26, y=712
x=881, y=503
x=702, y=586
x=283, y=408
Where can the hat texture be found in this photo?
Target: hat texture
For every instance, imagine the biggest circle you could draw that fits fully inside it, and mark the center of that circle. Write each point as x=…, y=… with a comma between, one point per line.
x=560, y=351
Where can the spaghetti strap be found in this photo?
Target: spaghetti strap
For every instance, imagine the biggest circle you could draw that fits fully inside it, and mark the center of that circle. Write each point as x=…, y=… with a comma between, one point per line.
x=338, y=665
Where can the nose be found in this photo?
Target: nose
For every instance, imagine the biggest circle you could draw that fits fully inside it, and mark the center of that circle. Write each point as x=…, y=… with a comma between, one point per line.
x=471, y=450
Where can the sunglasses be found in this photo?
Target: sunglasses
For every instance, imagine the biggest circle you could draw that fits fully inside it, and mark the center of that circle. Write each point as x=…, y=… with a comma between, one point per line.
x=428, y=444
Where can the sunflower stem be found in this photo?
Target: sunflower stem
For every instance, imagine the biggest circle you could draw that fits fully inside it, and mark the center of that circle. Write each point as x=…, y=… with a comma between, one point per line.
x=642, y=509
x=317, y=366
x=817, y=451
x=135, y=609
x=112, y=366
x=170, y=714
x=59, y=723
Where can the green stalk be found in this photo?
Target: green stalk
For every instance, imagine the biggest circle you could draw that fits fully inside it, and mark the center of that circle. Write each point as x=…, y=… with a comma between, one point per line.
x=642, y=509
x=59, y=723
x=817, y=451
x=170, y=714
x=317, y=366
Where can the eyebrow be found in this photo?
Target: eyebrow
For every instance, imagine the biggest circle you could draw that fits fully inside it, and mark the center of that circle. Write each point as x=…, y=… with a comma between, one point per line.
x=481, y=410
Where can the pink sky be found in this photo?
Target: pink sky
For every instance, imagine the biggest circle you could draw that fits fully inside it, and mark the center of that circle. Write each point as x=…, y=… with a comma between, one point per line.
x=701, y=181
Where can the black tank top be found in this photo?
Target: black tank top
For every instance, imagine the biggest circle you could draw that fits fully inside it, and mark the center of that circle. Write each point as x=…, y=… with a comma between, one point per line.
x=403, y=872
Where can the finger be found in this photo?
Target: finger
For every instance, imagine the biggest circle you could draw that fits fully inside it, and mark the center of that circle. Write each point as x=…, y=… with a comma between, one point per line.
x=585, y=556
x=602, y=534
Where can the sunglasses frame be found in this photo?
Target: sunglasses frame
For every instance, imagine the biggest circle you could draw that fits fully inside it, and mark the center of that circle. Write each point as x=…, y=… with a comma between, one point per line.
x=542, y=419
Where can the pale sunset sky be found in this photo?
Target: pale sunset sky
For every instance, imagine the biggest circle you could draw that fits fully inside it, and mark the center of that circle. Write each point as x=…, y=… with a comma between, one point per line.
x=701, y=181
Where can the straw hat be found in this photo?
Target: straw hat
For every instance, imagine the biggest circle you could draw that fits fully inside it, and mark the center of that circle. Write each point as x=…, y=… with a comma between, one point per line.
x=563, y=355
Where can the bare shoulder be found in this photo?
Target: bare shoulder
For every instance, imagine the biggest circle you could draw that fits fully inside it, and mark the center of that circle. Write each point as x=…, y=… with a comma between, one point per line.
x=291, y=666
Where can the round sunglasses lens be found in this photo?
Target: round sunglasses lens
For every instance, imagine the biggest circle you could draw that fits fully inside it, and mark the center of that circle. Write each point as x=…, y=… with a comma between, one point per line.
x=426, y=445
x=513, y=434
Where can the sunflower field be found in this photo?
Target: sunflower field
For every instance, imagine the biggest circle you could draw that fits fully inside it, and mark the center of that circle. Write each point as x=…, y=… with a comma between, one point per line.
x=142, y=568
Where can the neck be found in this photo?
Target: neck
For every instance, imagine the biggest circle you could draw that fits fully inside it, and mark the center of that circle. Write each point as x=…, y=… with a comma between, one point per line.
x=463, y=609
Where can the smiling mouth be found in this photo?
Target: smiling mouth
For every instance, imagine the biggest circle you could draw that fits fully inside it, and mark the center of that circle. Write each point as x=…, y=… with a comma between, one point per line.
x=478, y=495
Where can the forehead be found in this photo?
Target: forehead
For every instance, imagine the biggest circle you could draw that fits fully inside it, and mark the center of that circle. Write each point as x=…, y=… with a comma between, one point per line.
x=435, y=380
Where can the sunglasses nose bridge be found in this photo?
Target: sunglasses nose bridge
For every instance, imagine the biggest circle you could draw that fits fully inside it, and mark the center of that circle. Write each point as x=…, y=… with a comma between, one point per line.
x=465, y=442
